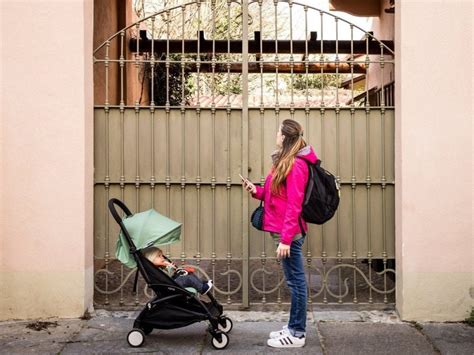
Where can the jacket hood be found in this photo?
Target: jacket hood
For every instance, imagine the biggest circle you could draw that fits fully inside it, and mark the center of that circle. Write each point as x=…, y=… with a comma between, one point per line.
x=307, y=153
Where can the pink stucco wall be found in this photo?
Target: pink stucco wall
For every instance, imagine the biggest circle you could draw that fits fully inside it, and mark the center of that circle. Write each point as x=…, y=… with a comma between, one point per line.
x=434, y=191
x=46, y=169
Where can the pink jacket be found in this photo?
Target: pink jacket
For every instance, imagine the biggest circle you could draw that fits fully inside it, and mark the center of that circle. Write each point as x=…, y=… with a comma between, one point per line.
x=283, y=210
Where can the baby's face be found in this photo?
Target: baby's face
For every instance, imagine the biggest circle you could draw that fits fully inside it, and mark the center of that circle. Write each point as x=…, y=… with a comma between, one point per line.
x=159, y=260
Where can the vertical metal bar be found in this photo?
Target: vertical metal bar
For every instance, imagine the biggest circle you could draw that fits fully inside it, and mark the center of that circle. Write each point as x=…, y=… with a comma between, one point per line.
x=324, y=254
x=121, y=299
x=306, y=57
x=137, y=139
x=167, y=115
x=167, y=110
x=137, y=136
x=137, y=132
x=183, y=142
x=367, y=63
x=383, y=179
x=245, y=153
x=198, y=150
x=122, y=117
x=353, y=163
x=263, y=255
x=260, y=4
x=277, y=110
x=353, y=207
x=368, y=179
x=309, y=258
x=352, y=67
x=167, y=64
x=277, y=104
x=229, y=179
x=152, y=62
x=122, y=113
x=213, y=113
x=322, y=115
x=106, y=64
x=338, y=158
x=152, y=114
x=292, y=64
x=336, y=59
x=369, y=239
x=322, y=61
x=228, y=53
x=122, y=67
x=122, y=124
x=107, y=170
x=198, y=55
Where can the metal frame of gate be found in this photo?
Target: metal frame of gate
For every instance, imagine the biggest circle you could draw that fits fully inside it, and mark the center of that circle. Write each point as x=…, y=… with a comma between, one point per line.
x=184, y=160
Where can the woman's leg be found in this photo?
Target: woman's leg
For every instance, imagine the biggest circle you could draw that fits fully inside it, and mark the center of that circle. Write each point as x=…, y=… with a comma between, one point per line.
x=293, y=268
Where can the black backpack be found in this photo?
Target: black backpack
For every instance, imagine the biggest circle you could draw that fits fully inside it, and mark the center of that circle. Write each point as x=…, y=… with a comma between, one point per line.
x=321, y=196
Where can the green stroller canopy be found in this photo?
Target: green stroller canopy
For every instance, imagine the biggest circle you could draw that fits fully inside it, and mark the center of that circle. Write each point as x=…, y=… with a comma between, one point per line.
x=146, y=229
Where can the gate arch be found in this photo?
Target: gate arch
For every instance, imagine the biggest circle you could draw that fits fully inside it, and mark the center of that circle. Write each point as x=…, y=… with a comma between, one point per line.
x=180, y=111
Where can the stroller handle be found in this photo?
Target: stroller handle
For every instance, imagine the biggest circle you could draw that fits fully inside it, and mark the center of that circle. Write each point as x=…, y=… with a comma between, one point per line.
x=112, y=203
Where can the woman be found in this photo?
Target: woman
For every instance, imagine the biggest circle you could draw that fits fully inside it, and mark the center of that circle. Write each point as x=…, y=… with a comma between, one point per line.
x=283, y=195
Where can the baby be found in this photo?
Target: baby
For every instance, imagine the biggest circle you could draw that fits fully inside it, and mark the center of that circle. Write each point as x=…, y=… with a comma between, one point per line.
x=182, y=277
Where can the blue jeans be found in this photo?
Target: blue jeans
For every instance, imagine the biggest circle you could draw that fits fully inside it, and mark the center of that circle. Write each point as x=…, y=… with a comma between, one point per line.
x=190, y=280
x=293, y=268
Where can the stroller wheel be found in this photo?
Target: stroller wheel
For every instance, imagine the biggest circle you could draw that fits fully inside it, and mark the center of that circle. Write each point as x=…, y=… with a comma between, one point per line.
x=222, y=343
x=135, y=338
x=225, y=324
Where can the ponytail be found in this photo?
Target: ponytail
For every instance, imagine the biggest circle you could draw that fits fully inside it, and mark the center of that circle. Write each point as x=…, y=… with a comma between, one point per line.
x=284, y=161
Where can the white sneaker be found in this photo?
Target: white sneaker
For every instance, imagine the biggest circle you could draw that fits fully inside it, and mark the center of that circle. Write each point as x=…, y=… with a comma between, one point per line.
x=279, y=333
x=286, y=341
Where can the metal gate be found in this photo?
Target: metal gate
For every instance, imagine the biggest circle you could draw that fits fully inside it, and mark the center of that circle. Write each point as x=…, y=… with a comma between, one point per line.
x=190, y=96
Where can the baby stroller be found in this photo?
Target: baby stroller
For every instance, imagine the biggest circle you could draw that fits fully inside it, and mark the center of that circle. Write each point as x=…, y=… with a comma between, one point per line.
x=173, y=306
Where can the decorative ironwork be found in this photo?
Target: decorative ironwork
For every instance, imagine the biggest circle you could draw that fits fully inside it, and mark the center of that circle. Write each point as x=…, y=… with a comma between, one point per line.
x=202, y=272
x=186, y=101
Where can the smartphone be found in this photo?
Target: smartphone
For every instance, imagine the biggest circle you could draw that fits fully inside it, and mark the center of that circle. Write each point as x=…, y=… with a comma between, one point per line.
x=243, y=179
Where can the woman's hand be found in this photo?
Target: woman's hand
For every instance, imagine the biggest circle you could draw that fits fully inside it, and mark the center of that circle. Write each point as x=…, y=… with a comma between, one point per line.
x=249, y=186
x=283, y=251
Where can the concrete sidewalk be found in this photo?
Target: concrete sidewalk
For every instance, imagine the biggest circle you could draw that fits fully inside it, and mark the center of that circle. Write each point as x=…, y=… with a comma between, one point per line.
x=330, y=332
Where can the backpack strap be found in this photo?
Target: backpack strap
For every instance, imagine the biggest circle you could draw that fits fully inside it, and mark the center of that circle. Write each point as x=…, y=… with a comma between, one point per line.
x=303, y=233
x=308, y=185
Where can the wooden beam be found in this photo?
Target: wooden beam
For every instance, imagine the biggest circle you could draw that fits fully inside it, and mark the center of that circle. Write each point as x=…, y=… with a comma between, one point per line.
x=366, y=8
x=268, y=46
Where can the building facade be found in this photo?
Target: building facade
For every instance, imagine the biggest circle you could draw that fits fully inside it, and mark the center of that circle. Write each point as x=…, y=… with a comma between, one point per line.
x=46, y=147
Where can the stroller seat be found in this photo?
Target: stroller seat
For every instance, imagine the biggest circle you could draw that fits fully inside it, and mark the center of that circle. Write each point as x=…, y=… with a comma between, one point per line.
x=158, y=280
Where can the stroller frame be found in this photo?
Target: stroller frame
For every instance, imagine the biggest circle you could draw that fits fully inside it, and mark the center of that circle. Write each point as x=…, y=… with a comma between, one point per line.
x=173, y=306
